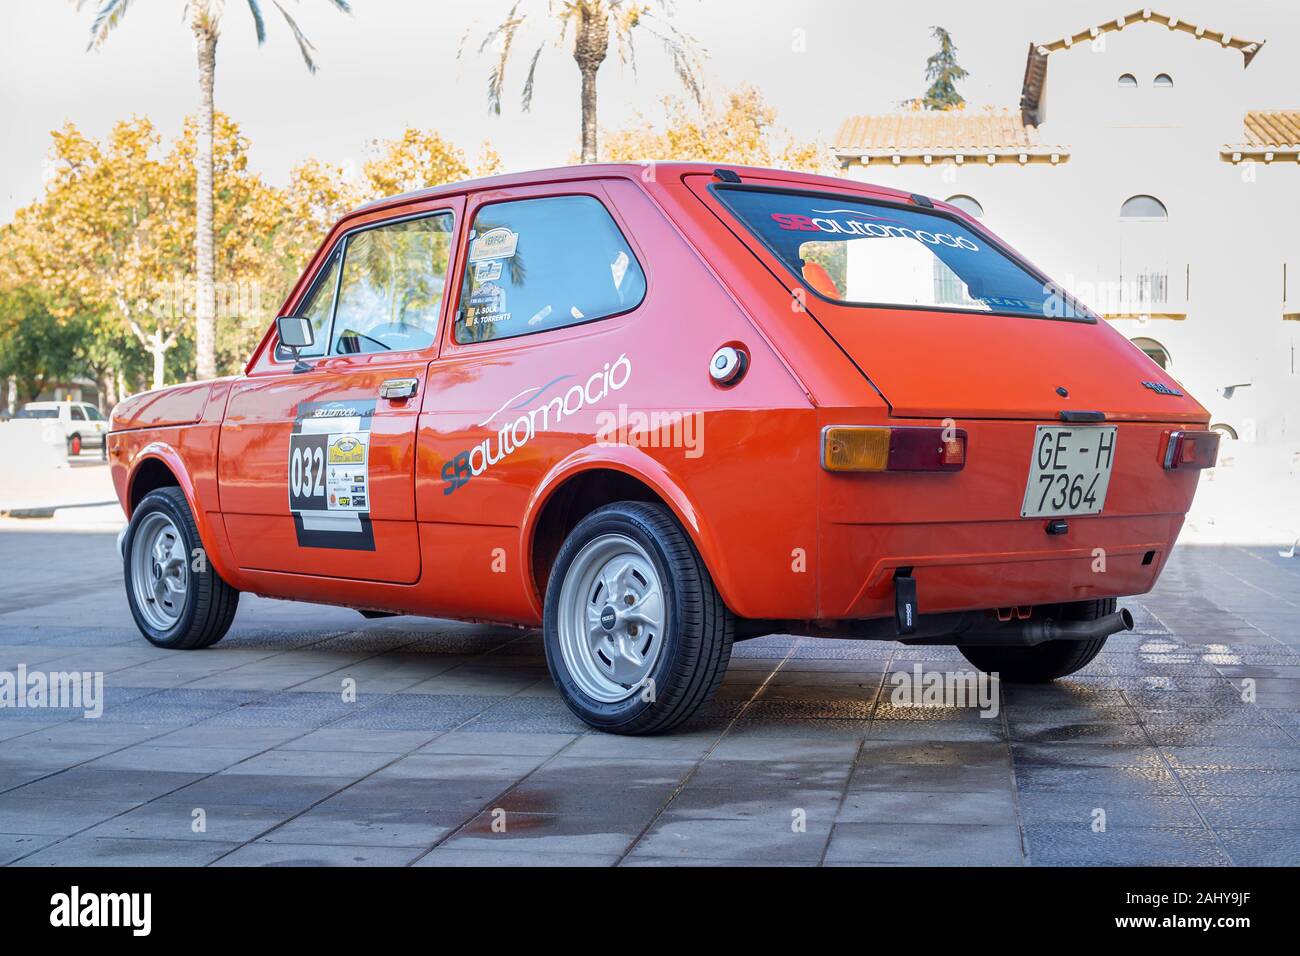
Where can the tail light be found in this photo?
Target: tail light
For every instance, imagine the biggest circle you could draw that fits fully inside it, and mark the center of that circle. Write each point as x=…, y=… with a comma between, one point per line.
x=882, y=448
x=1190, y=450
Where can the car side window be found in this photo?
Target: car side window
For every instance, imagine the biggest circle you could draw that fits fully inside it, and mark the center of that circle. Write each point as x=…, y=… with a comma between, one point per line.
x=93, y=413
x=317, y=308
x=538, y=264
x=390, y=296
x=77, y=414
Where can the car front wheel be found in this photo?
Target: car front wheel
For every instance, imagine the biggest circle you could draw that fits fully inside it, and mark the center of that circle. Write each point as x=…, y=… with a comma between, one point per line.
x=637, y=637
x=177, y=599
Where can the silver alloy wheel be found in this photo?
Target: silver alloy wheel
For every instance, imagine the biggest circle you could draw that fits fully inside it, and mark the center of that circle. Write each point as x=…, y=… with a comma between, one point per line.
x=159, y=570
x=611, y=618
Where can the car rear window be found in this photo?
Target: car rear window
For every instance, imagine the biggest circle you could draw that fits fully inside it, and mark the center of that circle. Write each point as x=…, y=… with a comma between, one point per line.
x=880, y=254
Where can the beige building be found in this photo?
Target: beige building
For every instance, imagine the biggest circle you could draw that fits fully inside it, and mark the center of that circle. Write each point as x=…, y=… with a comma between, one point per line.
x=1143, y=171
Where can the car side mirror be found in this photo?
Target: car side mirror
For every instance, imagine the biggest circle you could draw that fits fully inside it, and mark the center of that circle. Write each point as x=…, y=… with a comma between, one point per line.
x=295, y=334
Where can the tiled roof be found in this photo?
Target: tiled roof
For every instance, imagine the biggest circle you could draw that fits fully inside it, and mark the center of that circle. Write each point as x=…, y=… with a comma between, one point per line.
x=939, y=133
x=1272, y=128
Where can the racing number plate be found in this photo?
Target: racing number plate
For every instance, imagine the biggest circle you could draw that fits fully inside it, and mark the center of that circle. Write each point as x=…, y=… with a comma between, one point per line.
x=1069, y=471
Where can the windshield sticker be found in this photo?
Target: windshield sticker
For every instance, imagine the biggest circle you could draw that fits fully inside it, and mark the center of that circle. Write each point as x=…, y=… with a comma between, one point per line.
x=329, y=475
x=540, y=416
x=859, y=227
x=498, y=243
x=486, y=305
x=487, y=271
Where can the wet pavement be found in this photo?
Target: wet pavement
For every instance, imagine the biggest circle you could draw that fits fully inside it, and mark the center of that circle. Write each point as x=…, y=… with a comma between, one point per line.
x=457, y=751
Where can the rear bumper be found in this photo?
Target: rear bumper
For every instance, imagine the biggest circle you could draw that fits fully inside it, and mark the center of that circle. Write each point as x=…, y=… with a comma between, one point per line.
x=981, y=565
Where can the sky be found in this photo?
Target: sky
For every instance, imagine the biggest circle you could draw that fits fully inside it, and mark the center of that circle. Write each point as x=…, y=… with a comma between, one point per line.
x=393, y=64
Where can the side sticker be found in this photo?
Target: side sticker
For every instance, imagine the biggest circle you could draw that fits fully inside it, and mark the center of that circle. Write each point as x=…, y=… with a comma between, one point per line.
x=329, y=475
x=497, y=243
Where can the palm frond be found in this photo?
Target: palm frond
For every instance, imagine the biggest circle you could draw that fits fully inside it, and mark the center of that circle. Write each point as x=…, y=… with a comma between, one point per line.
x=304, y=45
x=108, y=17
x=528, y=81
x=504, y=35
x=342, y=5
x=259, y=25
x=682, y=50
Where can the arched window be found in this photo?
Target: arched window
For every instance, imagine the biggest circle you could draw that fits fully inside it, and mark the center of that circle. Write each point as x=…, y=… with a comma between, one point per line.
x=1154, y=351
x=1127, y=81
x=968, y=205
x=1163, y=80
x=1143, y=207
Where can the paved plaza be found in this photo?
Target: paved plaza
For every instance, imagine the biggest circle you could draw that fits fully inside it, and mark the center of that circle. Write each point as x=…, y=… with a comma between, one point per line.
x=457, y=751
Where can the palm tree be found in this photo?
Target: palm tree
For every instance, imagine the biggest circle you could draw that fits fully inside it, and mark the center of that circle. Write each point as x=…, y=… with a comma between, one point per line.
x=204, y=18
x=592, y=23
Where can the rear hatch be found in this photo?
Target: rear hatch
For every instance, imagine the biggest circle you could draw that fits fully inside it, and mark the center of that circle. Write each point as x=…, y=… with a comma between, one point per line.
x=941, y=317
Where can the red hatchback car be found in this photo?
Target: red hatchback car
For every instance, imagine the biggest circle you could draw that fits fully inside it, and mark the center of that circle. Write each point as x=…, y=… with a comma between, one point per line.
x=654, y=409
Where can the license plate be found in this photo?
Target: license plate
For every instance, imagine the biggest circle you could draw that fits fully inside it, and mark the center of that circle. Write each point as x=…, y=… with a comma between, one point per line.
x=1069, y=471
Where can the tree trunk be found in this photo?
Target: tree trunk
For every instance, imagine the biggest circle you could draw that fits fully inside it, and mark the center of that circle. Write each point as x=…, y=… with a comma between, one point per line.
x=589, y=116
x=159, y=352
x=205, y=304
x=591, y=44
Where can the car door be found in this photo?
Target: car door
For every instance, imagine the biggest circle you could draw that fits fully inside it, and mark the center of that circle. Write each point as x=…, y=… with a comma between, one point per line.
x=317, y=457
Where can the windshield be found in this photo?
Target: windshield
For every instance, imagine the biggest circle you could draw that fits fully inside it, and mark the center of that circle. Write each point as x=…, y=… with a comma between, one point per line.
x=864, y=253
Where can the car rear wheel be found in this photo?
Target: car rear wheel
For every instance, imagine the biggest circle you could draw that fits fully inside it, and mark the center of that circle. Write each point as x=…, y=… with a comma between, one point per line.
x=1044, y=662
x=637, y=638
x=177, y=599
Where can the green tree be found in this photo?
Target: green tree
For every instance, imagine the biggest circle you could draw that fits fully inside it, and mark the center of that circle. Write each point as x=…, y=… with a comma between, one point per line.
x=204, y=18
x=594, y=24
x=943, y=73
x=35, y=347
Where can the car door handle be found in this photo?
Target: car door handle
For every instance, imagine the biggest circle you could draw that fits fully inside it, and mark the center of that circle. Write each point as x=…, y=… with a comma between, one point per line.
x=396, y=389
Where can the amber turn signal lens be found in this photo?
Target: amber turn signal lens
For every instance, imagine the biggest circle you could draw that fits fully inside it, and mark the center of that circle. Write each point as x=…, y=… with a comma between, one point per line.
x=855, y=448
x=881, y=448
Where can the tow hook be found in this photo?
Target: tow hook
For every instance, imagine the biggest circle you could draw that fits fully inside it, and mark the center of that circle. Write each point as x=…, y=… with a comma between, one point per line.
x=905, y=611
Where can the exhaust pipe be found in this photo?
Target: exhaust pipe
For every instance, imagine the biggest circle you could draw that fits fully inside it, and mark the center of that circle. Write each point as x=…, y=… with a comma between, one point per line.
x=1029, y=633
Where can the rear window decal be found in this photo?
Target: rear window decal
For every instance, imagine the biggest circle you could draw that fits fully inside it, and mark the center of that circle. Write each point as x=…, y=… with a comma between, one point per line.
x=486, y=305
x=859, y=227
x=487, y=271
x=329, y=475
x=880, y=254
x=498, y=243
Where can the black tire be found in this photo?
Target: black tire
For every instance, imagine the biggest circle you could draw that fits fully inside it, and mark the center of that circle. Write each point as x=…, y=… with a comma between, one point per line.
x=210, y=603
x=1044, y=662
x=698, y=632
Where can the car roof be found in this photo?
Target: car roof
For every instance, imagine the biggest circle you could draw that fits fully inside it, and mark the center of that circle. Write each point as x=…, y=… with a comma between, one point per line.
x=665, y=171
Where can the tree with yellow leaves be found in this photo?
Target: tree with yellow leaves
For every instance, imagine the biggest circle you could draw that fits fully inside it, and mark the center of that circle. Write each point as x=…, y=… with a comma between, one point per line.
x=104, y=237
x=742, y=130
x=204, y=20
